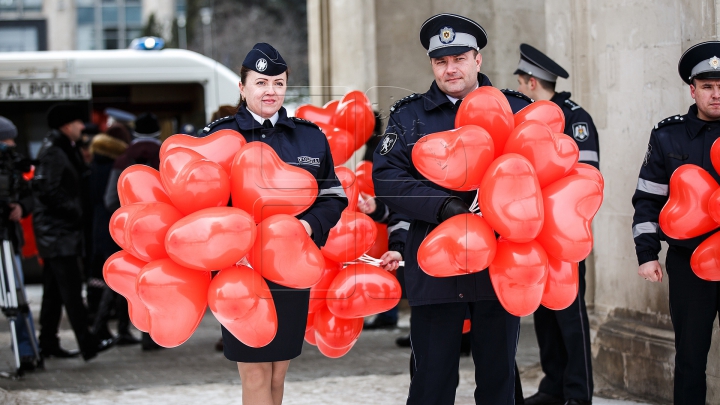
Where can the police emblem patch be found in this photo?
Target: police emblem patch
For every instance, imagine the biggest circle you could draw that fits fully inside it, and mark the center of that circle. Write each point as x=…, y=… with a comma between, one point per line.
x=647, y=155
x=261, y=65
x=580, y=131
x=714, y=62
x=447, y=35
x=388, y=143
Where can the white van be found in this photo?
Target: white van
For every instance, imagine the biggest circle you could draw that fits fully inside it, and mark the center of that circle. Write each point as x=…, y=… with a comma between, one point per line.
x=178, y=86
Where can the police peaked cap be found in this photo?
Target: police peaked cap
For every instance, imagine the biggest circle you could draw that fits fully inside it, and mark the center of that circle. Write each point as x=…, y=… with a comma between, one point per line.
x=146, y=126
x=451, y=34
x=537, y=64
x=265, y=59
x=61, y=114
x=700, y=61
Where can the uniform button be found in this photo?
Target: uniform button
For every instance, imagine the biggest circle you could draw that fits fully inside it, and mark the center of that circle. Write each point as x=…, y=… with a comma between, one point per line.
x=460, y=295
x=263, y=136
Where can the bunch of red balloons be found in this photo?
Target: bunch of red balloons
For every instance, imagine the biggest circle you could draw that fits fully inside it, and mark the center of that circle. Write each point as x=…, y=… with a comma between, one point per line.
x=693, y=209
x=347, y=123
x=531, y=191
x=175, y=226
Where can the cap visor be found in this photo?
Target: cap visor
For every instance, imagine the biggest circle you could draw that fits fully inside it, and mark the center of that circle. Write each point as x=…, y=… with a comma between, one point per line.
x=449, y=51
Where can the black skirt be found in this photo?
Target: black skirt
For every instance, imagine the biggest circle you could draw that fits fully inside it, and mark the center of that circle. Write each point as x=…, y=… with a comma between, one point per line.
x=292, y=312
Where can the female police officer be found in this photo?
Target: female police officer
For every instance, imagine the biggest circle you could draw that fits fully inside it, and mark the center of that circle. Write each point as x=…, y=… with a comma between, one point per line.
x=260, y=117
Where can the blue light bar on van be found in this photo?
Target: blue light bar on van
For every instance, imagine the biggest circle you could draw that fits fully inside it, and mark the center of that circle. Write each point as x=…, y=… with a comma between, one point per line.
x=147, y=43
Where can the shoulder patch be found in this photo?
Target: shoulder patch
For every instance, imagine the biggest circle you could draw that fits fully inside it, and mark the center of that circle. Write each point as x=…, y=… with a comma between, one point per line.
x=675, y=119
x=387, y=143
x=404, y=100
x=517, y=94
x=217, y=122
x=572, y=105
x=304, y=121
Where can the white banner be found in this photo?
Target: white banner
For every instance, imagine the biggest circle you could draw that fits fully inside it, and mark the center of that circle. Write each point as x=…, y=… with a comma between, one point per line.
x=35, y=90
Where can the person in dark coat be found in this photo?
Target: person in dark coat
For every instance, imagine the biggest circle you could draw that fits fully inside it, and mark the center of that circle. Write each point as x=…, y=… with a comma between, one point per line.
x=261, y=118
x=58, y=223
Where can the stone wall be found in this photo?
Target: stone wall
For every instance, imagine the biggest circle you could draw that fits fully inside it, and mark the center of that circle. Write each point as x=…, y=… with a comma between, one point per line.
x=622, y=58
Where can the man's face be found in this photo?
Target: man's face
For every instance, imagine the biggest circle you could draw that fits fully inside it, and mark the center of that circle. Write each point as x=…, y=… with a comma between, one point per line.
x=8, y=142
x=456, y=75
x=73, y=130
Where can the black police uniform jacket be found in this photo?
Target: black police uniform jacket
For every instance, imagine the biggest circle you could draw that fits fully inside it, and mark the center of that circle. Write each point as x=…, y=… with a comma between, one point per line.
x=675, y=141
x=299, y=143
x=399, y=185
x=57, y=187
x=580, y=127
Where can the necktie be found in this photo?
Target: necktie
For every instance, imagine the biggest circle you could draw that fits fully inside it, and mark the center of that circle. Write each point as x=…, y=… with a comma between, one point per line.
x=267, y=124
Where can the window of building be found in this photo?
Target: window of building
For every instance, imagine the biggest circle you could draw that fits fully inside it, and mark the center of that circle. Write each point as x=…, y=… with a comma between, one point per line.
x=107, y=24
x=23, y=35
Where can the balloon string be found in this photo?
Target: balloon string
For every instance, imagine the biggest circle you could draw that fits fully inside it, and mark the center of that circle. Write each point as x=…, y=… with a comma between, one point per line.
x=371, y=261
x=475, y=207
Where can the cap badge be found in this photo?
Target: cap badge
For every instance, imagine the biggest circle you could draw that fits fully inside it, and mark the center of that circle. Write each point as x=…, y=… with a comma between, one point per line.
x=261, y=65
x=714, y=62
x=447, y=35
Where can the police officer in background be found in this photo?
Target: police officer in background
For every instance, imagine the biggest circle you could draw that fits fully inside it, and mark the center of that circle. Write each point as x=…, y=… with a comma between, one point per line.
x=676, y=141
x=563, y=336
x=439, y=305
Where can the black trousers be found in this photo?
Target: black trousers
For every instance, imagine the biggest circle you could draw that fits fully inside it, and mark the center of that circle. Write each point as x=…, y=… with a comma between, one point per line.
x=62, y=286
x=564, y=341
x=435, y=336
x=694, y=304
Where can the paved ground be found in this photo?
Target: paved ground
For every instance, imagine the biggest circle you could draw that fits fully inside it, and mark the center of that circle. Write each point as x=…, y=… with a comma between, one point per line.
x=375, y=371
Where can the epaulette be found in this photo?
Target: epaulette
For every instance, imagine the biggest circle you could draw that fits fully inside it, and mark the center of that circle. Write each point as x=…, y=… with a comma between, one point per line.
x=572, y=105
x=675, y=119
x=304, y=121
x=404, y=100
x=517, y=94
x=217, y=121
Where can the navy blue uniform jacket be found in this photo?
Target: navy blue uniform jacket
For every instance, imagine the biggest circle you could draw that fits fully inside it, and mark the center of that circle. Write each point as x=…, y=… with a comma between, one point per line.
x=675, y=141
x=399, y=185
x=580, y=126
x=299, y=143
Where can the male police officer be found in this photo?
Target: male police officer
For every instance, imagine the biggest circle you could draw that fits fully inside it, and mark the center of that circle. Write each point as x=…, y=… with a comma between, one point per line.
x=439, y=305
x=676, y=141
x=563, y=336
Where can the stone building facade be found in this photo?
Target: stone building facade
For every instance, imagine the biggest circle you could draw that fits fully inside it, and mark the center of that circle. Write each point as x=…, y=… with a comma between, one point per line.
x=622, y=57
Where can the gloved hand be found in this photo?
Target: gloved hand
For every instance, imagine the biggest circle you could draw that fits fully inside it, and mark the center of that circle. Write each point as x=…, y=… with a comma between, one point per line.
x=452, y=206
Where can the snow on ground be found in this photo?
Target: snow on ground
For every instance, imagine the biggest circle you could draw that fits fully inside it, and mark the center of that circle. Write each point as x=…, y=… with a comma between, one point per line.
x=371, y=389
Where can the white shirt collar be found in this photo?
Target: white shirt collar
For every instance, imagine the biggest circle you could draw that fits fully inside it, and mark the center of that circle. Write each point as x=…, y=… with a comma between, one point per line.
x=261, y=120
x=454, y=100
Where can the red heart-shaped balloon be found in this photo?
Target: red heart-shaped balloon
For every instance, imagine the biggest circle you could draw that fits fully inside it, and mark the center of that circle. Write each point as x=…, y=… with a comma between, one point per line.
x=120, y=272
x=585, y=170
x=381, y=242
x=219, y=147
x=705, y=260
x=193, y=182
x=337, y=332
x=349, y=184
x=318, y=115
x=518, y=275
x=140, y=228
x=176, y=298
x=363, y=173
x=318, y=292
x=331, y=352
x=685, y=214
x=510, y=198
x=263, y=185
x=350, y=238
x=488, y=108
x=342, y=144
x=355, y=114
x=362, y=290
x=570, y=206
x=544, y=111
x=552, y=155
x=561, y=287
x=310, y=329
x=141, y=183
x=715, y=156
x=284, y=253
x=238, y=296
x=211, y=239
x=455, y=159
x=463, y=244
